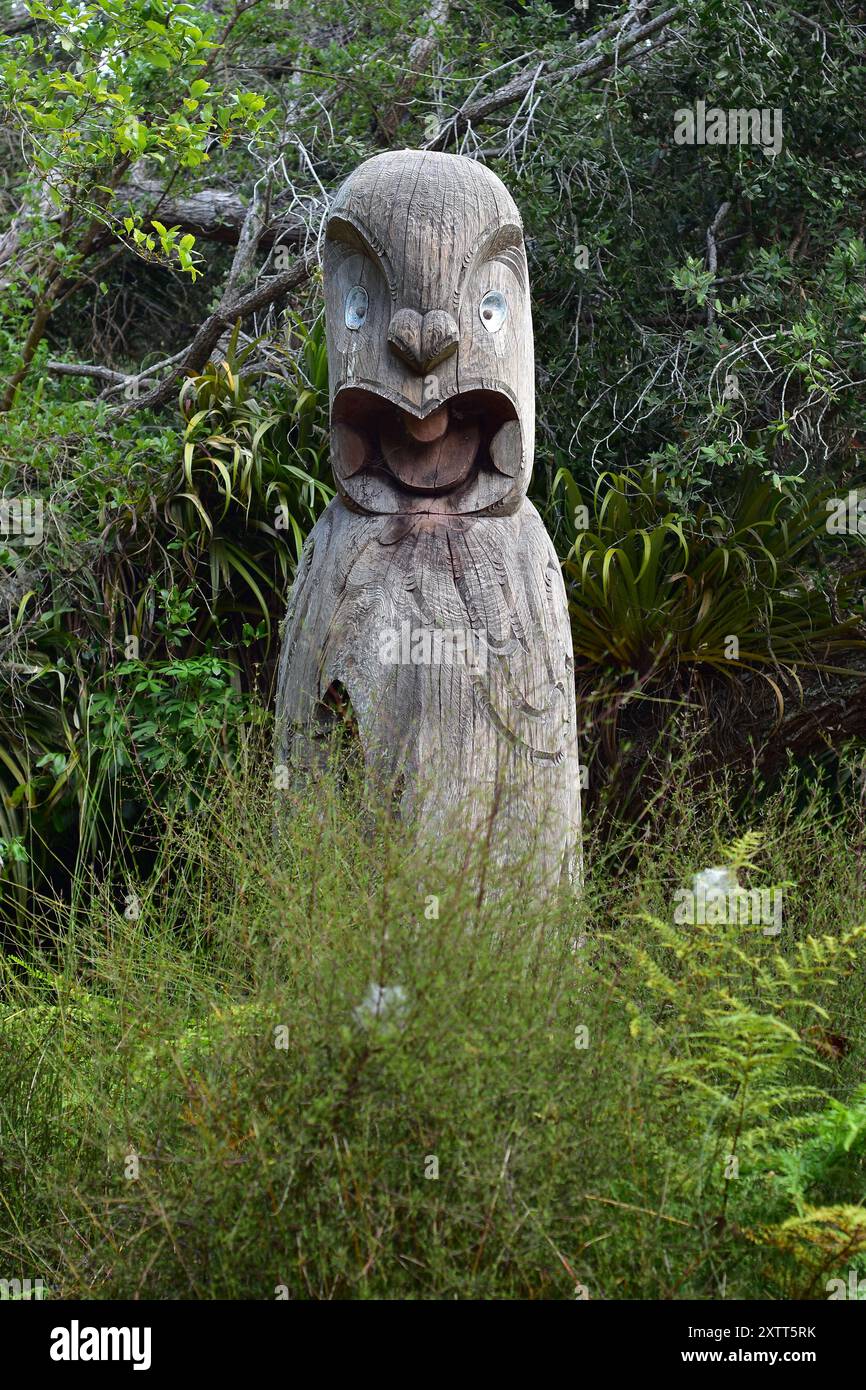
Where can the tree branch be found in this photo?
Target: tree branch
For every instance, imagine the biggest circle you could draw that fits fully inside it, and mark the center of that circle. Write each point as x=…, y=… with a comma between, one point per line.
x=713, y=256
x=420, y=53
x=86, y=369
x=553, y=71
x=214, y=214
x=195, y=355
x=249, y=237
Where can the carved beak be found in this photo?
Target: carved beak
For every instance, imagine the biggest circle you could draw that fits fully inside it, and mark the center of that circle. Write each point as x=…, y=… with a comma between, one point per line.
x=422, y=342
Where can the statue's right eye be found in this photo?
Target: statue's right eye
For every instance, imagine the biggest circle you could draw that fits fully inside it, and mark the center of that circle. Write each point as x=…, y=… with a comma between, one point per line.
x=356, y=306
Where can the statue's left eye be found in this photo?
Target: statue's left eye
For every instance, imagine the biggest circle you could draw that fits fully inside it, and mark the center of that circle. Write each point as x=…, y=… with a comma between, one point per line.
x=356, y=306
x=493, y=310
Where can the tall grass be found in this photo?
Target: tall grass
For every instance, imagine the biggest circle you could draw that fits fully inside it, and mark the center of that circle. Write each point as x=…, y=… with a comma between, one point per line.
x=318, y=1066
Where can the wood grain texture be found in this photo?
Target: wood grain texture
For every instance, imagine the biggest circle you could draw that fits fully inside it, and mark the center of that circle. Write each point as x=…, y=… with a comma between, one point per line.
x=429, y=589
x=428, y=236
x=443, y=737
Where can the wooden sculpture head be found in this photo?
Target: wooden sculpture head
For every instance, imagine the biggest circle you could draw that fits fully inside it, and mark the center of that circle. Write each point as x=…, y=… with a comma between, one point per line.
x=429, y=335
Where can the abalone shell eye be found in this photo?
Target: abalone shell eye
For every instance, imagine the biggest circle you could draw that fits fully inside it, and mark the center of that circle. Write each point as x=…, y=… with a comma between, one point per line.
x=493, y=310
x=356, y=306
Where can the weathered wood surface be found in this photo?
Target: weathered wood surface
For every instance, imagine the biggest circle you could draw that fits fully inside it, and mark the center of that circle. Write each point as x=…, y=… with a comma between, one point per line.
x=491, y=723
x=429, y=590
x=427, y=237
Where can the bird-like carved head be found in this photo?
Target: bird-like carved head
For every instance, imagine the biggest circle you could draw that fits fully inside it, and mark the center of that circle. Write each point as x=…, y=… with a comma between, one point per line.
x=429, y=335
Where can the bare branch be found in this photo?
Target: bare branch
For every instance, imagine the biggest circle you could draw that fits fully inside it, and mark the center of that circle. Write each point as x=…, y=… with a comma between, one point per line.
x=196, y=354
x=214, y=214
x=713, y=256
x=86, y=369
x=248, y=241
x=420, y=53
x=553, y=71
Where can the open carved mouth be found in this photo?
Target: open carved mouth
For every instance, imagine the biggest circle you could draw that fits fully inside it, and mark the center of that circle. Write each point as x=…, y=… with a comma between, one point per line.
x=435, y=454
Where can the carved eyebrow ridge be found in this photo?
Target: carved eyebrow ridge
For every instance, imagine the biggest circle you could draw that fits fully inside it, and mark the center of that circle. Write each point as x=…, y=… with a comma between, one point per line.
x=351, y=231
x=513, y=258
x=501, y=242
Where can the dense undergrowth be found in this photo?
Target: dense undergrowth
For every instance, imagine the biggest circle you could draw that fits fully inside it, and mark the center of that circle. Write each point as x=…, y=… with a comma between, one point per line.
x=318, y=1067
x=703, y=415
x=197, y=1098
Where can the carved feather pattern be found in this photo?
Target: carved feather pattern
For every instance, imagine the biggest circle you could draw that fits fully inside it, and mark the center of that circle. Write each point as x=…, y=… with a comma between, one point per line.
x=445, y=732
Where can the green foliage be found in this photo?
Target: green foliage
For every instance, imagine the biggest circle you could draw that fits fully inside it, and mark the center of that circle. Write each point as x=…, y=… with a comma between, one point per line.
x=150, y=607
x=168, y=709
x=654, y=593
x=254, y=462
x=730, y=1012
x=581, y=1076
x=648, y=357
x=125, y=84
x=822, y=1241
x=94, y=89
x=823, y=1161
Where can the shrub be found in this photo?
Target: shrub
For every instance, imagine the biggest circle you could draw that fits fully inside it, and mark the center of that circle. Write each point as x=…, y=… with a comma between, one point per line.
x=576, y=1077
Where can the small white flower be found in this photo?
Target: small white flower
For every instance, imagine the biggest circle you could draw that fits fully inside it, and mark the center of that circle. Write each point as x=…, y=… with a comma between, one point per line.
x=711, y=880
x=382, y=1004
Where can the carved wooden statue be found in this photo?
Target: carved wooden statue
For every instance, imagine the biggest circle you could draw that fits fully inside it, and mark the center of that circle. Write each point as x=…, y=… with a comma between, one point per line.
x=429, y=589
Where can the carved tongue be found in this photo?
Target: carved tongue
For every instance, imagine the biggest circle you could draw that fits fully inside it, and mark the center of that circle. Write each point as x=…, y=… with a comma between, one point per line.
x=430, y=428
x=444, y=462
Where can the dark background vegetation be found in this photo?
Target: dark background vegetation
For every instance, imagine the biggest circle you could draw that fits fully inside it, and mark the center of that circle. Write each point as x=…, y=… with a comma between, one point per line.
x=166, y=169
